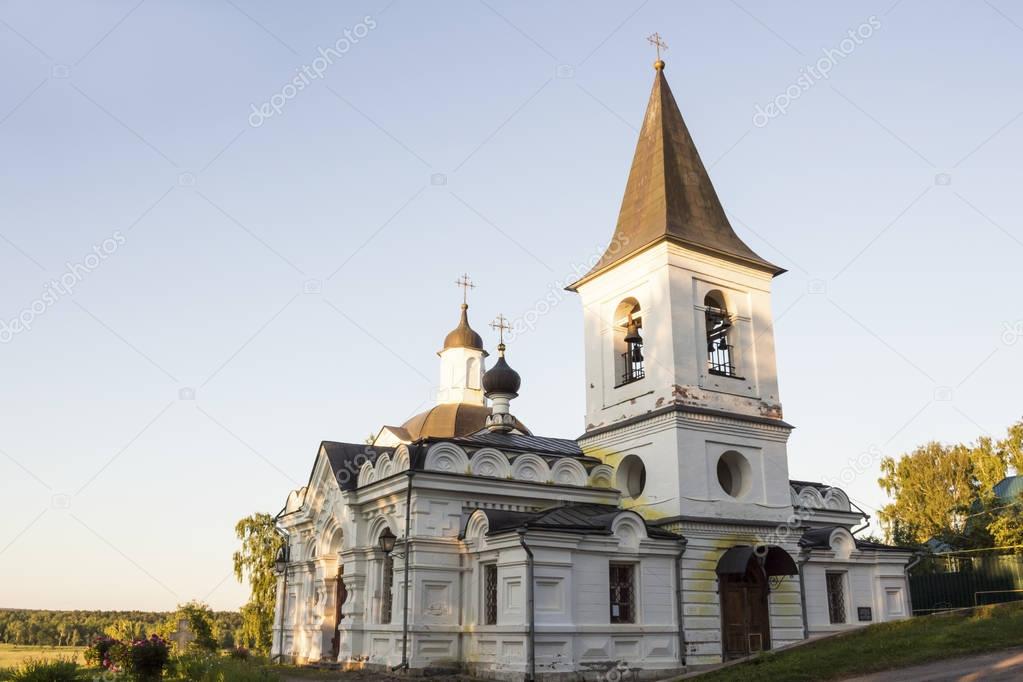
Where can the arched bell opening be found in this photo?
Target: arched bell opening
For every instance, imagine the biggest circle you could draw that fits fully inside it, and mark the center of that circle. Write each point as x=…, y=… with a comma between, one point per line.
x=628, y=342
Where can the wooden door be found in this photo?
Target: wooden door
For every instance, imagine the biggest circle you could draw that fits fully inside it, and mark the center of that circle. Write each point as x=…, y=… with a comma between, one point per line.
x=745, y=621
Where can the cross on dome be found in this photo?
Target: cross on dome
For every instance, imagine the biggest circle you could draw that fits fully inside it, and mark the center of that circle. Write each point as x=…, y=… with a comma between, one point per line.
x=500, y=325
x=465, y=283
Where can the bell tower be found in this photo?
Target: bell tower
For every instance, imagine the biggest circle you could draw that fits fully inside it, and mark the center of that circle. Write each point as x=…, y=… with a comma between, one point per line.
x=681, y=382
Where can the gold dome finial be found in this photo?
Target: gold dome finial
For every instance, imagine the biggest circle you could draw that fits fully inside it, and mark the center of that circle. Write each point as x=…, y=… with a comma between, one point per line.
x=655, y=40
x=464, y=336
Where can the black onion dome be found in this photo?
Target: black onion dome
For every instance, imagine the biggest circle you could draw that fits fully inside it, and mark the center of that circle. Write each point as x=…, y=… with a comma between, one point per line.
x=501, y=378
x=463, y=336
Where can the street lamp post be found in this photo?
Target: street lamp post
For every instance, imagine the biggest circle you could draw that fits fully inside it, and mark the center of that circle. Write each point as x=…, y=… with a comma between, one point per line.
x=281, y=566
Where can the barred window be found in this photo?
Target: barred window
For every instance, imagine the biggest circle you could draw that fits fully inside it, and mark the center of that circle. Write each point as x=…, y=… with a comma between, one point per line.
x=387, y=589
x=490, y=594
x=836, y=596
x=628, y=343
x=621, y=580
x=719, y=349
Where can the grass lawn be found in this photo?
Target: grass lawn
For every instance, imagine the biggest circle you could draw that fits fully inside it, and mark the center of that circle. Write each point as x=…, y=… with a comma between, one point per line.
x=886, y=646
x=12, y=655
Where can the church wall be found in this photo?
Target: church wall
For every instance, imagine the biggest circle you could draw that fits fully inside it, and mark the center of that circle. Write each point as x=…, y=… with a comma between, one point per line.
x=702, y=602
x=574, y=632
x=875, y=581
x=680, y=452
x=570, y=582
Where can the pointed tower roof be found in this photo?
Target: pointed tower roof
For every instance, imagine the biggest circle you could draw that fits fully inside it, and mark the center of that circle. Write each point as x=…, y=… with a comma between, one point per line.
x=669, y=195
x=463, y=336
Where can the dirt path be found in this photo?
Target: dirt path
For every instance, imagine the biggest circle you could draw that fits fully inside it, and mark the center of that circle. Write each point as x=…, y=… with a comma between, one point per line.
x=1000, y=666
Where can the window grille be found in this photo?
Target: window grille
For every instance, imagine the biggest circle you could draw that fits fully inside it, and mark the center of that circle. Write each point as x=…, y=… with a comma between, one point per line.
x=387, y=590
x=622, y=584
x=628, y=343
x=490, y=594
x=836, y=596
x=632, y=361
x=719, y=350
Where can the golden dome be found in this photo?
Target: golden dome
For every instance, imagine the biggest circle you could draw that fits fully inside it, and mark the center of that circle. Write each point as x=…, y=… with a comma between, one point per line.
x=463, y=336
x=451, y=420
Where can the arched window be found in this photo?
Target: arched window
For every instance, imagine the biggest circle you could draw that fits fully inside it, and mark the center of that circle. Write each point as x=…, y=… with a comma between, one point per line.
x=472, y=373
x=628, y=344
x=386, y=584
x=719, y=345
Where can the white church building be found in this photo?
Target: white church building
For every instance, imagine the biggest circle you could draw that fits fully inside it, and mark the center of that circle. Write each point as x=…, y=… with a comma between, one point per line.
x=667, y=536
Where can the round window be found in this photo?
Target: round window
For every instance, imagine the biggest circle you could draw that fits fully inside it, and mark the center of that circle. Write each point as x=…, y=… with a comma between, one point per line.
x=631, y=478
x=734, y=473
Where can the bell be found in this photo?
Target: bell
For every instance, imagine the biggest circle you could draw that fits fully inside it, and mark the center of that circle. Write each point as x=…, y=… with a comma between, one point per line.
x=632, y=336
x=637, y=354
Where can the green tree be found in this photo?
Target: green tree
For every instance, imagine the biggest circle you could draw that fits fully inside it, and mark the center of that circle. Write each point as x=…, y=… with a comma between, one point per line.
x=1011, y=447
x=255, y=562
x=199, y=617
x=127, y=630
x=935, y=488
x=1006, y=527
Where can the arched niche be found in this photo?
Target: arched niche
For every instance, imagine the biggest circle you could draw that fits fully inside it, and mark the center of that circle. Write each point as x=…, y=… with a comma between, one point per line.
x=530, y=468
x=491, y=463
x=568, y=472
x=447, y=457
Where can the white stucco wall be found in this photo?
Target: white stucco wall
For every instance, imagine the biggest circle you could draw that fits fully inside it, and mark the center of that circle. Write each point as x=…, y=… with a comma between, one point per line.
x=877, y=582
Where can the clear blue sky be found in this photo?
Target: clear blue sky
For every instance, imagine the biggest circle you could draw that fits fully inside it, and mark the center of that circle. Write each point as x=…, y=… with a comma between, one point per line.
x=892, y=186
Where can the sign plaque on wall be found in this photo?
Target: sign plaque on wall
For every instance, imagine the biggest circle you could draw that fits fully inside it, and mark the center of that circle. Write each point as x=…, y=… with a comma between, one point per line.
x=864, y=613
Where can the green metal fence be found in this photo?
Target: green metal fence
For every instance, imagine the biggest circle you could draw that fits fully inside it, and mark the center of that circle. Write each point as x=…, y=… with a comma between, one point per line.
x=951, y=581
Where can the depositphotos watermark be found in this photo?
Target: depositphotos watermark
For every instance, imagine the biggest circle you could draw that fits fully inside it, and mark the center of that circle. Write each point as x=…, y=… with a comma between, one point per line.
x=527, y=321
x=853, y=469
x=64, y=285
x=312, y=71
x=814, y=73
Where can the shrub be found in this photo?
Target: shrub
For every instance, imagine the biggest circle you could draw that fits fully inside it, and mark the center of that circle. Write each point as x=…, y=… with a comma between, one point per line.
x=241, y=653
x=97, y=654
x=195, y=667
x=143, y=659
x=243, y=671
x=199, y=667
x=44, y=670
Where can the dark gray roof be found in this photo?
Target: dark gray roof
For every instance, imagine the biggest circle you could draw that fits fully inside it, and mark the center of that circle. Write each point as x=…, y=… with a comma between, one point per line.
x=811, y=484
x=820, y=538
x=518, y=442
x=347, y=458
x=573, y=518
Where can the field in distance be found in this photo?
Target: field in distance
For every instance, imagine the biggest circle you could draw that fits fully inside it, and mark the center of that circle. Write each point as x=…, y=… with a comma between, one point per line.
x=12, y=655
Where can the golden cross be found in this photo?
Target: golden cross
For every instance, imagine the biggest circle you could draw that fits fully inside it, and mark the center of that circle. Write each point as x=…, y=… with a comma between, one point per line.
x=655, y=40
x=500, y=324
x=466, y=284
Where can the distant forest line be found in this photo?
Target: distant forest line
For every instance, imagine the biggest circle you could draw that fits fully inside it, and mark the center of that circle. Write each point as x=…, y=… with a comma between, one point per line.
x=78, y=628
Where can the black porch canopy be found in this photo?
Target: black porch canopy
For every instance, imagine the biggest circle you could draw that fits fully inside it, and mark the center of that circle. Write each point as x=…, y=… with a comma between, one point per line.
x=775, y=560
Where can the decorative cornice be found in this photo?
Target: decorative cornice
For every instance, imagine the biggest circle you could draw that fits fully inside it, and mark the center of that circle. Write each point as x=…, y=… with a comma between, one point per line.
x=690, y=410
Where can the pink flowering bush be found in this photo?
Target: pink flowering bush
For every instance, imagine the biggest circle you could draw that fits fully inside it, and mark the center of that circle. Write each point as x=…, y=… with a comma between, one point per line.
x=143, y=659
x=97, y=654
